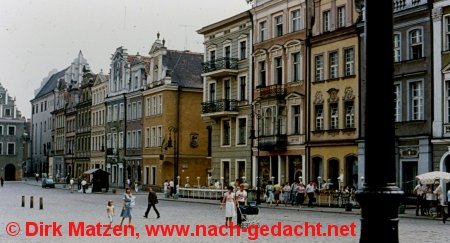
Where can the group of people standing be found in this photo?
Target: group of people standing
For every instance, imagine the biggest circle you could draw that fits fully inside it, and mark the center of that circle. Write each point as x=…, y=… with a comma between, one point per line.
x=429, y=196
x=295, y=193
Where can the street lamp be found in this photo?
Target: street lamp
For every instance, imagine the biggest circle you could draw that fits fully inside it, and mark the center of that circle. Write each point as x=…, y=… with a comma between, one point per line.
x=319, y=179
x=174, y=145
x=178, y=185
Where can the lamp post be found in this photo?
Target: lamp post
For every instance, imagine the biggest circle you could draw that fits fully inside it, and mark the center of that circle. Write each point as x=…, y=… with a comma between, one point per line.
x=174, y=145
x=319, y=180
x=378, y=223
x=178, y=185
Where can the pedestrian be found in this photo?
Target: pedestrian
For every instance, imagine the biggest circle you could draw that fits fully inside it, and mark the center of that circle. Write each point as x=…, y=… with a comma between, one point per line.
x=110, y=211
x=229, y=200
x=300, y=194
x=286, y=192
x=419, y=192
x=310, y=189
x=269, y=193
x=172, y=188
x=241, y=198
x=136, y=186
x=79, y=183
x=128, y=205
x=84, y=185
x=37, y=177
x=166, y=188
x=128, y=182
x=71, y=185
x=152, y=201
x=2, y=181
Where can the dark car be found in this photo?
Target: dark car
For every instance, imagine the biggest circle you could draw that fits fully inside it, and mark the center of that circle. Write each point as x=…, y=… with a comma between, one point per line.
x=47, y=182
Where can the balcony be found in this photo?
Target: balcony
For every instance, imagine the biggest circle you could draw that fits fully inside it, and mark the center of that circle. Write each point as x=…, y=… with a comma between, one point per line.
x=219, y=108
x=272, y=91
x=400, y=5
x=272, y=142
x=225, y=66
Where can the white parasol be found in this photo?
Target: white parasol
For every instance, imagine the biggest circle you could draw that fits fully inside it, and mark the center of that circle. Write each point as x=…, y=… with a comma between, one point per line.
x=431, y=177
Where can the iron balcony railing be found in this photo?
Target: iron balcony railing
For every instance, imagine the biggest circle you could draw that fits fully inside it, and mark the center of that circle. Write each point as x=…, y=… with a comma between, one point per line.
x=400, y=5
x=219, y=106
x=219, y=64
x=272, y=142
x=277, y=90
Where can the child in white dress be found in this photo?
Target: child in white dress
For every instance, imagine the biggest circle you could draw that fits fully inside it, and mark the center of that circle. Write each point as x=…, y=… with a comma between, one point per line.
x=110, y=211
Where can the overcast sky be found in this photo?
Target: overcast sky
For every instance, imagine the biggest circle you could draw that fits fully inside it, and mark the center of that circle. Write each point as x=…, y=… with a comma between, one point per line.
x=37, y=36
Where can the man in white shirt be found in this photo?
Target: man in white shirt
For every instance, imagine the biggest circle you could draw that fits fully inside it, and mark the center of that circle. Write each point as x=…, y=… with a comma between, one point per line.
x=241, y=198
x=419, y=191
x=172, y=188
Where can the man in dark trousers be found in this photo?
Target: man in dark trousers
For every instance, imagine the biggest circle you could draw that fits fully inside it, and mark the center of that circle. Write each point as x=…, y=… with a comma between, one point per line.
x=152, y=201
x=1, y=181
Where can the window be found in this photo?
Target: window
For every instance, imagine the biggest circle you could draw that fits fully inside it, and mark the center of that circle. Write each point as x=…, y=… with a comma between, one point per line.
x=341, y=17
x=134, y=111
x=212, y=92
x=447, y=33
x=262, y=31
x=326, y=21
x=397, y=103
x=349, y=62
x=242, y=88
x=153, y=136
x=296, y=20
x=278, y=26
x=278, y=71
x=147, y=137
x=149, y=105
x=416, y=100
x=128, y=112
x=120, y=139
x=319, y=67
x=212, y=56
x=1, y=130
x=11, y=149
x=319, y=117
x=121, y=111
x=11, y=130
x=262, y=73
x=227, y=55
x=159, y=136
x=415, y=44
x=1, y=148
x=295, y=67
x=334, y=116
x=242, y=131
x=296, y=119
x=243, y=50
x=349, y=115
x=227, y=90
x=226, y=132
x=160, y=104
x=267, y=122
x=397, y=53
x=138, y=139
x=139, y=110
x=447, y=99
x=333, y=60
x=7, y=112
x=115, y=112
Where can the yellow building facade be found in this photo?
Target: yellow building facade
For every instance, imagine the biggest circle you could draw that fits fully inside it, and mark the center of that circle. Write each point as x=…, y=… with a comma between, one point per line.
x=334, y=94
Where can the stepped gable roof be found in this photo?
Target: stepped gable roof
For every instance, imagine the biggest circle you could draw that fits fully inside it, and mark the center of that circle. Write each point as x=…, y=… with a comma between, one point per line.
x=51, y=83
x=184, y=67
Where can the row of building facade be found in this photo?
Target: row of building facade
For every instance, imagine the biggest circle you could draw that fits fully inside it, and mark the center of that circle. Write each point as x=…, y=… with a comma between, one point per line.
x=277, y=95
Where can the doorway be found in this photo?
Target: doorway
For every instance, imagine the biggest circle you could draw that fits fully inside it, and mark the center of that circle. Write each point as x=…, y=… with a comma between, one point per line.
x=10, y=172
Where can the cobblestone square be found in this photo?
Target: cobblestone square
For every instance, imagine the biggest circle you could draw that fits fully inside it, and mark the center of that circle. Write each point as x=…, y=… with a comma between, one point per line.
x=61, y=207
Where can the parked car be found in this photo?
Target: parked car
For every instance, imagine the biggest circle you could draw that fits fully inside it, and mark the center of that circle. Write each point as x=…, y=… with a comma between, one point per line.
x=48, y=182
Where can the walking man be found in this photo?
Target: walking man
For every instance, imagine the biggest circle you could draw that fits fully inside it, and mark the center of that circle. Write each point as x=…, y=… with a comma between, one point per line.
x=310, y=189
x=152, y=201
x=71, y=185
x=2, y=181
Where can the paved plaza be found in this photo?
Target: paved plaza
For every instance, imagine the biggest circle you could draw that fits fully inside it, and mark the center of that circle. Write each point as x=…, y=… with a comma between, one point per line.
x=62, y=207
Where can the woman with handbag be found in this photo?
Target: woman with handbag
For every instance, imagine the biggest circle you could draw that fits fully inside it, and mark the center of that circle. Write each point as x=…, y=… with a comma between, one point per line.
x=128, y=204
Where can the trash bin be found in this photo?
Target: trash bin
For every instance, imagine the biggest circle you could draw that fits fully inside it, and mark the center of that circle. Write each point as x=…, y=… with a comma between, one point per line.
x=348, y=207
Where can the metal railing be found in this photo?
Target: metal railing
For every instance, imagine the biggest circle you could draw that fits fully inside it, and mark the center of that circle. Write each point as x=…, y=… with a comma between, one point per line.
x=219, y=64
x=219, y=106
